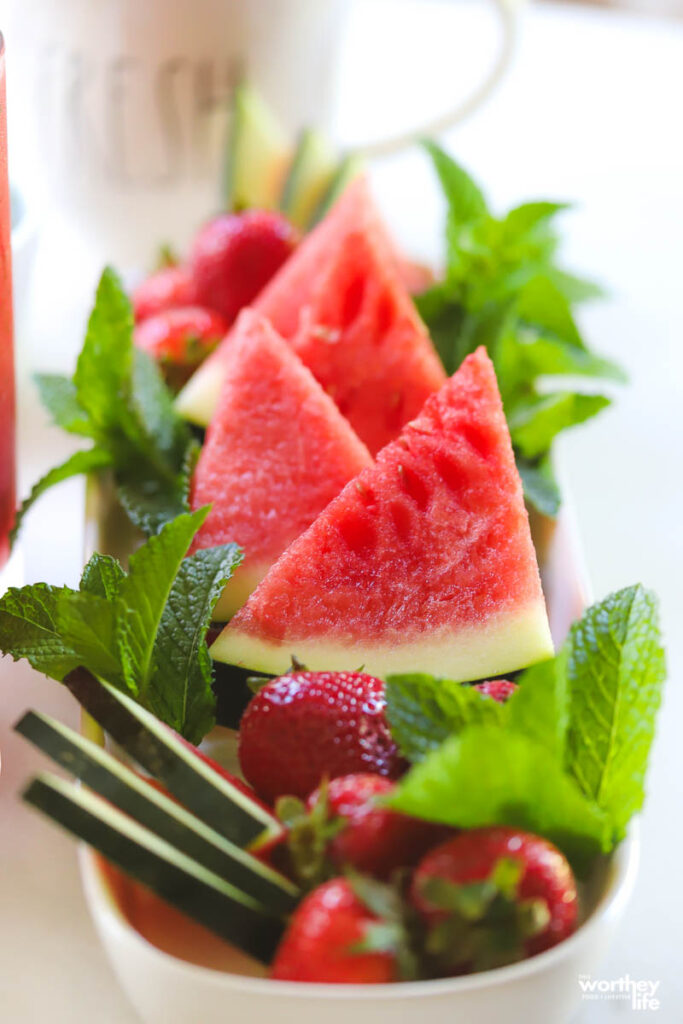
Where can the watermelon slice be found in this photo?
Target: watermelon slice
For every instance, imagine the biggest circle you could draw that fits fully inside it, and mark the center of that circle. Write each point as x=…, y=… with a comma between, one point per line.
x=277, y=452
x=362, y=339
x=424, y=563
x=324, y=257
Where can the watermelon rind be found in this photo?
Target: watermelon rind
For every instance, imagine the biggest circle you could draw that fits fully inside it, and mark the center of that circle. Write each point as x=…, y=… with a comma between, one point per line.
x=198, y=399
x=504, y=644
x=244, y=582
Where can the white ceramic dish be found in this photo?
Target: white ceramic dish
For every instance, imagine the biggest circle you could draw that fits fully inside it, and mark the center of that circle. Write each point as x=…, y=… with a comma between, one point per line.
x=542, y=990
x=166, y=989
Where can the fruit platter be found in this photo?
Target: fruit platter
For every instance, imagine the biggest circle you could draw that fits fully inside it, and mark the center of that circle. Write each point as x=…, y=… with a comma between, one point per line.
x=353, y=739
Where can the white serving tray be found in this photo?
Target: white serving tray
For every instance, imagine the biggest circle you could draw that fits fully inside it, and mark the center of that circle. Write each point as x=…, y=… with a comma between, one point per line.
x=171, y=981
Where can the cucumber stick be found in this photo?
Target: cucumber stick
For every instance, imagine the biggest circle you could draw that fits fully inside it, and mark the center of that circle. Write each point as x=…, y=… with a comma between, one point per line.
x=172, y=875
x=257, y=154
x=309, y=177
x=349, y=168
x=209, y=796
x=142, y=801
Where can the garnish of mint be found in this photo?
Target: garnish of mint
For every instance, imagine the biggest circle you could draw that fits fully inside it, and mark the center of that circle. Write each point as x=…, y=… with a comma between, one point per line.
x=565, y=757
x=117, y=400
x=504, y=289
x=143, y=630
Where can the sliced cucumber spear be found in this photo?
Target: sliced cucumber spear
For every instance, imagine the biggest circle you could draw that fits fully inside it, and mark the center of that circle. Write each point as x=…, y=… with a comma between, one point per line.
x=309, y=177
x=256, y=156
x=178, y=879
x=155, y=811
x=209, y=796
x=349, y=168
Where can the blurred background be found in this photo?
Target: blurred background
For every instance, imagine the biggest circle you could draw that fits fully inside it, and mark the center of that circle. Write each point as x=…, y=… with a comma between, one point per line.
x=588, y=111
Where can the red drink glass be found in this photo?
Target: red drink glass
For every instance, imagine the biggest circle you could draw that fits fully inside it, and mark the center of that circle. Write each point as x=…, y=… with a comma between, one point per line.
x=7, y=417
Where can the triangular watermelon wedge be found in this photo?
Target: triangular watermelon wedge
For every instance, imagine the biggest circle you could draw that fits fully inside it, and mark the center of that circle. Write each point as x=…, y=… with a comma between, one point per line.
x=276, y=453
x=362, y=339
x=298, y=284
x=424, y=563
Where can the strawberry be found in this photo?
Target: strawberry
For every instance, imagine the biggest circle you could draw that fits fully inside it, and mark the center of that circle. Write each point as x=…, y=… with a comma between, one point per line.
x=493, y=895
x=500, y=689
x=179, y=339
x=306, y=725
x=335, y=937
x=370, y=838
x=236, y=254
x=167, y=288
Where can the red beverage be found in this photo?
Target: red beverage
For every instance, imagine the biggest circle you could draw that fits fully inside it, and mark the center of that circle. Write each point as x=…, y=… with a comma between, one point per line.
x=7, y=425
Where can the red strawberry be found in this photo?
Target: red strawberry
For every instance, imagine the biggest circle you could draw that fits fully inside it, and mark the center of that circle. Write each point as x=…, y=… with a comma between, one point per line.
x=321, y=943
x=372, y=838
x=164, y=289
x=179, y=339
x=527, y=902
x=236, y=254
x=306, y=725
x=499, y=689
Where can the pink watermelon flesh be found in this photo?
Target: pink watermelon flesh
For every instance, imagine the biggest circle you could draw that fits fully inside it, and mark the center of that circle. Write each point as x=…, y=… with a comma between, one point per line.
x=363, y=341
x=424, y=563
x=298, y=285
x=276, y=453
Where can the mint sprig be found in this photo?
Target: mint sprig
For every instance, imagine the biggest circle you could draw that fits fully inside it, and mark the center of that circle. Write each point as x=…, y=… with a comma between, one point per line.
x=615, y=671
x=503, y=289
x=423, y=711
x=584, y=721
x=490, y=775
x=143, y=631
x=118, y=400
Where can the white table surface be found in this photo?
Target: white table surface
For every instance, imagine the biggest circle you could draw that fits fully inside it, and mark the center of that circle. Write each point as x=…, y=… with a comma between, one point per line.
x=590, y=112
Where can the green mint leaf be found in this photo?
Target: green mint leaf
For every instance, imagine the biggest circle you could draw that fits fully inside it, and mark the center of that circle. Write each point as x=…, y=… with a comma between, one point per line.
x=165, y=434
x=445, y=320
x=540, y=487
x=90, y=623
x=575, y=289
x=179, y=690
x=423, y=711
x=540, y=706
x=541, y=304
x=29, y=629
x=104, y=367
x=524, y=354
x=616, y=672
x=490, y=775
x=145, y=591
x=102, y=576
x=118, y=397
x=150, y=502
x=456, y=332
x=535, y=422
x=58, y=396
x=522, y=219
x=80, y=462
x=465, y=199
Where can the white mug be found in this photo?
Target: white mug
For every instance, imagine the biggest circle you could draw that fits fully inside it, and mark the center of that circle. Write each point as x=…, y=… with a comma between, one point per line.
x=125, y=102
